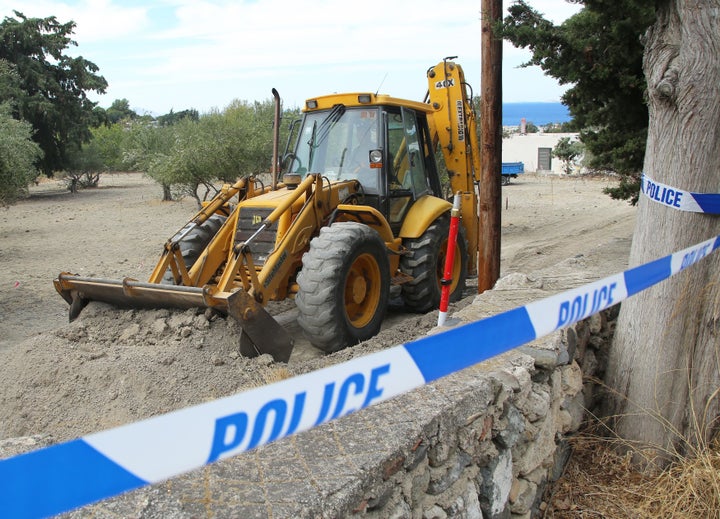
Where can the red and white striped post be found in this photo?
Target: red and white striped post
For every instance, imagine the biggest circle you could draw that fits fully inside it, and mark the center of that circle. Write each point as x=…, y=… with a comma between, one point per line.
x=447, y=278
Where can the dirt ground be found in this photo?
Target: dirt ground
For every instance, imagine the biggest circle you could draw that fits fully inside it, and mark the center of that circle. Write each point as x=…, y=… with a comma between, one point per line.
x=114, y=366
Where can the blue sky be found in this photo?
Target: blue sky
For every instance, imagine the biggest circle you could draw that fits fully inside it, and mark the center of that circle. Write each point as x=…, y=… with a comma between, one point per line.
x=178, y=54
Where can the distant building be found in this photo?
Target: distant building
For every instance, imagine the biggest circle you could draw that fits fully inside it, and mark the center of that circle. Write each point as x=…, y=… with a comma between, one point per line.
x=534, y=150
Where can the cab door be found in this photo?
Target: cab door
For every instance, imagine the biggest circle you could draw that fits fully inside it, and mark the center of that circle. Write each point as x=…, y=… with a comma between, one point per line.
x=407, y=176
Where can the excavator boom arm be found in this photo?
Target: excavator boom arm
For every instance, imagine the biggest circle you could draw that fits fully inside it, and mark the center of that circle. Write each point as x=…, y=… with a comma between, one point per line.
x=454, y=129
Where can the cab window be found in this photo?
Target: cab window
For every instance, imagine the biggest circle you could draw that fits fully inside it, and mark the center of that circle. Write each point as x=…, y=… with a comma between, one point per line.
x=337, y=144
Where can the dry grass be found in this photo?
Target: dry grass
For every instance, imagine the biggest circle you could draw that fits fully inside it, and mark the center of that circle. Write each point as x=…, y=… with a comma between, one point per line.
x=599, y=482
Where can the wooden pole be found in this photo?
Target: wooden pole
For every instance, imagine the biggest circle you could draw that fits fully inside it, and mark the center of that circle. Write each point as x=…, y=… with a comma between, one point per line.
x=490, y=200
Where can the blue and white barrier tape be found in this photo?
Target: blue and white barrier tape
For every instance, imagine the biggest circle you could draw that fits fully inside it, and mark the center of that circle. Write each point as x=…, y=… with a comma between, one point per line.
x=101, y=465
x=669, y=196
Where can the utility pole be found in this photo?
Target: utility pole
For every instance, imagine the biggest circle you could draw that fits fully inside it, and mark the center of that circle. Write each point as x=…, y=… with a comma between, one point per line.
x=490, y=201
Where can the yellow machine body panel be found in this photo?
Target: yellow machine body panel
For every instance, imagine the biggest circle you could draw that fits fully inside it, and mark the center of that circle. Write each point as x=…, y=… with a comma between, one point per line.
x=422, y=214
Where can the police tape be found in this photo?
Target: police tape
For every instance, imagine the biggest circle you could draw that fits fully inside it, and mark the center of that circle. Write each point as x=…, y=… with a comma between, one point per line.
x=69, y=475
x=669, y=196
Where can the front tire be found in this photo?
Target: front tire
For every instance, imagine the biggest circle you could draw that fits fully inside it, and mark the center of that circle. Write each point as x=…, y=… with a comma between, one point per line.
x=426, y=263
x=344, y=286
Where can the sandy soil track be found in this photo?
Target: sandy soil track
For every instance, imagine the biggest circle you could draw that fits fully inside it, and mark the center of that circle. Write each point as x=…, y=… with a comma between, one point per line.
x=114, y=366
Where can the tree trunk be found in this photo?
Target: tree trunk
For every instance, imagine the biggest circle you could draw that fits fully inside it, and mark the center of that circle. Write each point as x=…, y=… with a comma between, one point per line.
x=167, y=194
x=663, y=366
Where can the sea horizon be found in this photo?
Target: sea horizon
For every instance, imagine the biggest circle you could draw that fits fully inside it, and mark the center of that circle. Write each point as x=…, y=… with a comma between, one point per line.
x=538, y=113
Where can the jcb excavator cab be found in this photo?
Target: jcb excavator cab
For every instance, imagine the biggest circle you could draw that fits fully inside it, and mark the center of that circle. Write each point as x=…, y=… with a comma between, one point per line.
x=385, y=146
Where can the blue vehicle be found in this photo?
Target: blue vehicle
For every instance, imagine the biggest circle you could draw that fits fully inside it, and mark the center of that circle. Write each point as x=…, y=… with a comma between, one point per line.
x=511, y=170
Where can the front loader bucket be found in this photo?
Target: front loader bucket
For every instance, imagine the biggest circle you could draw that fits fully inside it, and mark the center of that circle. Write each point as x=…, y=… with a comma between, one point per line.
x=126, y=293
x=260, y=332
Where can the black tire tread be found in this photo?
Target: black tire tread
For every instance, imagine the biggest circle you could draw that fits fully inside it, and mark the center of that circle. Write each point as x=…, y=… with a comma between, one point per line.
x=422, y=294
x=320, y=296
x=195, y=242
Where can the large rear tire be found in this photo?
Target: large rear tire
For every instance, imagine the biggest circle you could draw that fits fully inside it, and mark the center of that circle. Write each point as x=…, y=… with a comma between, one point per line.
x=195, y=242
x=425, y=264
x=344, y=286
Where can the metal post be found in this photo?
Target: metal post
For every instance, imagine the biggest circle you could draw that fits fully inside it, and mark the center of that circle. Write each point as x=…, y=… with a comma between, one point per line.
x=276, y=141
x=447, y=278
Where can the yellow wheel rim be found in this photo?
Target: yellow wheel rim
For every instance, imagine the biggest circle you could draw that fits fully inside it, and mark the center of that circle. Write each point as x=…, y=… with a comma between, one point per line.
x=362, y=290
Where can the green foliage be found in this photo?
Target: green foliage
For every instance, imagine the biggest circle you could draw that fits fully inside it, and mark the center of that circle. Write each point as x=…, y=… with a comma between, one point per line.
x=145, y=148
x=10, y=90
x=173, y=117
x=108, y=143
x=187, y=152
x=99, y=117
x=83, y=170
x=87, y=159
x=190, y=152
x=142, y=144
x=51, y=91
x=220, y=146
x=18, y=154
x=120, y=110
x=254, y=122
x=568, y=151
x=531, y=127
x=599, y=51
x=627, y=189
x=102, y=153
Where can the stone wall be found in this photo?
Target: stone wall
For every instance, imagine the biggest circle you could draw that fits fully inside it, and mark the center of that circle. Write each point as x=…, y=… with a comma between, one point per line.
x=481, y=443
x=493, y=451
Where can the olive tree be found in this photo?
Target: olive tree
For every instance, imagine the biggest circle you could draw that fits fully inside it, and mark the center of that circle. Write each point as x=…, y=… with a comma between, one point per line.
x=146, y=148
x=18, y=155
x=217, y=146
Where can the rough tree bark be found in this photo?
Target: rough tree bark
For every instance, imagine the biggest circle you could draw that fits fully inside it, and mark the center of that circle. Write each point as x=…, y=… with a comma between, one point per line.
x=664, y=363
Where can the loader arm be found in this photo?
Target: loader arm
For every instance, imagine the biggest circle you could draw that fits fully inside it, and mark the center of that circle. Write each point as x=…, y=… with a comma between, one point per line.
x=129, y=292
x=171, y=257
x=305, y=208
x=263, y=283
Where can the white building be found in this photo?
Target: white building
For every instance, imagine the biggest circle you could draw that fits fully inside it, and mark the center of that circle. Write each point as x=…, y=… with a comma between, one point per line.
x=534, y=150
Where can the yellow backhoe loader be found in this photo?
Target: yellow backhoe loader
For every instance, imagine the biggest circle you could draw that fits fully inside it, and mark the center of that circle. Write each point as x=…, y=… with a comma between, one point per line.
x=359, y=208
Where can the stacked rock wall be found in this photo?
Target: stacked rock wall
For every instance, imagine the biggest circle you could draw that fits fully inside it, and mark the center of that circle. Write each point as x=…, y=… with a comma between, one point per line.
x=492, y=452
